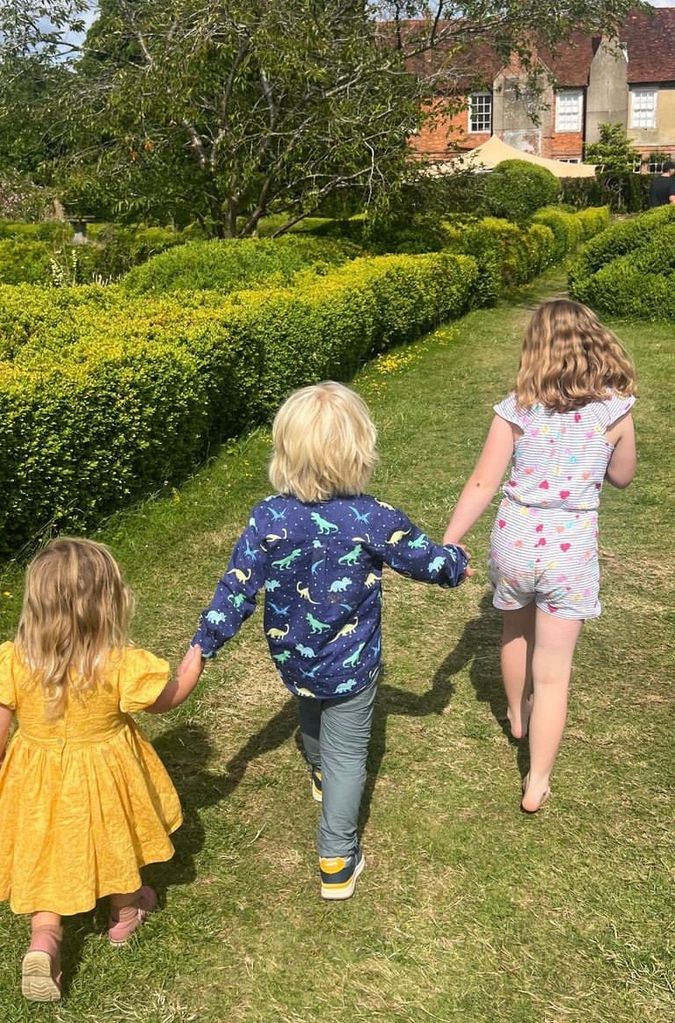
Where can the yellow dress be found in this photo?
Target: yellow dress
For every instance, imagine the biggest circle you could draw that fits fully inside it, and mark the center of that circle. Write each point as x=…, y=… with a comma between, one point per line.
x=84, y=801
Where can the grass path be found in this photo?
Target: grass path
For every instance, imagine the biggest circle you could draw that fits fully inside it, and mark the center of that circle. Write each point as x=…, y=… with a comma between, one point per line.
x=468, y=911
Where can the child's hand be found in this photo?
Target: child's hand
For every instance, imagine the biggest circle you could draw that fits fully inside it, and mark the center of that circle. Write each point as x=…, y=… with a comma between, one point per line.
x=468, y=571
x=191, y=667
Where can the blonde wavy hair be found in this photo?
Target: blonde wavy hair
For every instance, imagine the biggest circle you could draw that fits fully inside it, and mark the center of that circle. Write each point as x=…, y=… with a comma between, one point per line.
x=569, y=358
x=324, y=444
x=76, y=610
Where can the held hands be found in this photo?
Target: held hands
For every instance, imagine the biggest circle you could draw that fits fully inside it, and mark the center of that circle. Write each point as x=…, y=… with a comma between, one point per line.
x=468, y=571
x=190, y=668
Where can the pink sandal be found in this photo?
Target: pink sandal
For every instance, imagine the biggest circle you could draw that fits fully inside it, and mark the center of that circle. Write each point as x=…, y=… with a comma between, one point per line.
x=40, y=968
x=120, y=931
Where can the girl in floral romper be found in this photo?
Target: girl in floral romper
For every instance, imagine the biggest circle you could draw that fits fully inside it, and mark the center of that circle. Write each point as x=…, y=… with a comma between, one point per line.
x=565, y=429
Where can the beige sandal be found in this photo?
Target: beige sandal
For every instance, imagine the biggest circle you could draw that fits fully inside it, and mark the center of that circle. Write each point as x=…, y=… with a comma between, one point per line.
x=40, y=968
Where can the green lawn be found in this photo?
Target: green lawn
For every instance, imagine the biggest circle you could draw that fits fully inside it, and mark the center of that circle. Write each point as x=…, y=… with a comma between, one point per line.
x=468, y=911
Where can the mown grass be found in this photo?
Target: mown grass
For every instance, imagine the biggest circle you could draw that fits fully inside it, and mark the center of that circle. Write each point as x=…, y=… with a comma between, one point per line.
x=467, y=911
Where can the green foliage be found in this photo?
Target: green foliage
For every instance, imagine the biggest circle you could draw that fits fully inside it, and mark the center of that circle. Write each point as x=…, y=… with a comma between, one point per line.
x=519, y=254
x=230, y=264
x=516, y=189
x=566, y=227
x=593, y=220
x=623, y=193
x=630, y=273
x=25, y=261
x=618, y=240
x=44, y=231
x=613, y=152
x=107, y=398
x=42, y=253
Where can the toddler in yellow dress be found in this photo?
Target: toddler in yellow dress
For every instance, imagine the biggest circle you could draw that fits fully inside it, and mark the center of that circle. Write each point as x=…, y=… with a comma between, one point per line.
x=85, y=801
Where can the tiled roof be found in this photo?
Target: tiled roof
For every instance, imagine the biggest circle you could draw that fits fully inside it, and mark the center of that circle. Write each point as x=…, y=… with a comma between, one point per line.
x=649, y=37
x=651, y=46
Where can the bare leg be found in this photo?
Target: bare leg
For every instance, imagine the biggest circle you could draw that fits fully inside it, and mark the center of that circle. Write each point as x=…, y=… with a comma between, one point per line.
x=554, y=646
x=516, y=660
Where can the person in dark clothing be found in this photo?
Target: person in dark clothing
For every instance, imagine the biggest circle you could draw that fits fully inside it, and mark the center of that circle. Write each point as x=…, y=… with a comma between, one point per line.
x=662, y=189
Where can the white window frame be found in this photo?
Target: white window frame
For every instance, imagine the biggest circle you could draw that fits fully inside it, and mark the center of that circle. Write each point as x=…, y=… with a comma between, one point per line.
x=484, y=113
x=569, y=110
x=569, y=159
x=643, y=105
x=656, y=166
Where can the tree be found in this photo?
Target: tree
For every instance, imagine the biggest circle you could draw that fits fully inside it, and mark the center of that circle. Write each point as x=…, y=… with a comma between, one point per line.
x=617, y=161
x=224, y=112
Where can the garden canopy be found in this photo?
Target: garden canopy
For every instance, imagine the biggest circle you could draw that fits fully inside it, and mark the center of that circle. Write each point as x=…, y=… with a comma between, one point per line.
x=495, y=151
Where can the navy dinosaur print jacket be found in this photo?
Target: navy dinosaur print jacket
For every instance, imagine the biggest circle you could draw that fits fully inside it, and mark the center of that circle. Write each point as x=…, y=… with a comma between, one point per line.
x=320, y=566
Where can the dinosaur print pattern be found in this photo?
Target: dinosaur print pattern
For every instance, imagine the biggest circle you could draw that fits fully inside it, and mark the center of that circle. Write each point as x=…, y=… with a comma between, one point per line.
x=322, y=587
x=325, y=527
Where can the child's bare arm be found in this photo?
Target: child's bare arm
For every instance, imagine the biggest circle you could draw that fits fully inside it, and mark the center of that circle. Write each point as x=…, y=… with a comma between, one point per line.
x=6, y=718
x=179, y=688
x=622, y=464
x=484, y=481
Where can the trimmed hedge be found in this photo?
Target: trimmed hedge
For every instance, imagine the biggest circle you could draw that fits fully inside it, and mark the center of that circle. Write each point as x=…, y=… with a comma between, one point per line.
x=640, y=284
x=43, y=253
x=619, y=240
x=228, y=265
x=146, y=386
x=26, y=262
x=515, y=189
x=43, y=231
x=517, y=254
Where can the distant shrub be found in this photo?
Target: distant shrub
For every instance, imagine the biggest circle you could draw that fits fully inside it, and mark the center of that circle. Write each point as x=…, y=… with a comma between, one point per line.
x=515, y=189
x=640, y=284
x=25, y=261
x=231, y=264
x=618, y=240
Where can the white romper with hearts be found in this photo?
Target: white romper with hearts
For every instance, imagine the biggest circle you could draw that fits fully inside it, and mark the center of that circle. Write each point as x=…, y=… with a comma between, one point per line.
x=544, y=543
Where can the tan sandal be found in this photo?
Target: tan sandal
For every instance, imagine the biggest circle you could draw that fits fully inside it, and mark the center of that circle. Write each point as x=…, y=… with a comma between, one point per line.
x=40, y=968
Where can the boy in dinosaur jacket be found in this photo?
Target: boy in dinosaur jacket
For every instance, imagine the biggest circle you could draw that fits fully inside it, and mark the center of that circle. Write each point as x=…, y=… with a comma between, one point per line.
x=317, y=549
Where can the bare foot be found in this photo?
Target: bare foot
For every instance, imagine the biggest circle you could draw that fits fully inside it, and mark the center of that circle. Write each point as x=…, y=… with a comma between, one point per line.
x=534, y=796
x=520, y=724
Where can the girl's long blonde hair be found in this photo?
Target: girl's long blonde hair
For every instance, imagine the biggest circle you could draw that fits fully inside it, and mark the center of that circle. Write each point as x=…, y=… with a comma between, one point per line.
x=324, y=444
x=569, y=358
x=76, y=609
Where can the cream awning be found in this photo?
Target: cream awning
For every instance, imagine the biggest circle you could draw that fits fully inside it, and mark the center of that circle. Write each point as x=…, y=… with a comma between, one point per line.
x=495, y=151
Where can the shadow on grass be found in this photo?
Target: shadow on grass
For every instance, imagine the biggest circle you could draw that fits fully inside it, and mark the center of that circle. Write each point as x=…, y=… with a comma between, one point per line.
x=186, y=750
x=478, y=650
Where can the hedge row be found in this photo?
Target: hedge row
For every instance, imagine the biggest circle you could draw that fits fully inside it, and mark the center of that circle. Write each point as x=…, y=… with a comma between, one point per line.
x=622, y=238
x=640, y=284
x=149, y=384
x=511, y=255
x=44, y=254
x=229, y=265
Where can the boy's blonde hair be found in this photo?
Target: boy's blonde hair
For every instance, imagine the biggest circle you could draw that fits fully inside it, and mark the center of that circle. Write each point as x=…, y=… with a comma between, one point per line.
x=569, y=359
x=76, y=609
x=324, y=444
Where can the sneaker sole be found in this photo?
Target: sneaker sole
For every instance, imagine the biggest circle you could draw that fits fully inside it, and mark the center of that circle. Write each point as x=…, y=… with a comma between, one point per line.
x=337, y=893
x=37, y=983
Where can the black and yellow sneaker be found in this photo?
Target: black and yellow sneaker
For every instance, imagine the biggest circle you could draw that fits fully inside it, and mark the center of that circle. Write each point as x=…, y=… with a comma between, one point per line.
x=317, y=793
x=338, y=875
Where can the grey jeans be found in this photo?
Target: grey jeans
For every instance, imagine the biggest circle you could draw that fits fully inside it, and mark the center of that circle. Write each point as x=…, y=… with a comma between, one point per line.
x=336, y=734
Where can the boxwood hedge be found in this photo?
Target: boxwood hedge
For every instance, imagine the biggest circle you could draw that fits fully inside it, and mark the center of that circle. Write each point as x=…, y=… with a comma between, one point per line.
x=629, y=270
x=145, y=386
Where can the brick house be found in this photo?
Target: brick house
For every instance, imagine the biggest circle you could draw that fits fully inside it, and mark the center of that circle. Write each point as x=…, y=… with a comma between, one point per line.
x=588, y=81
